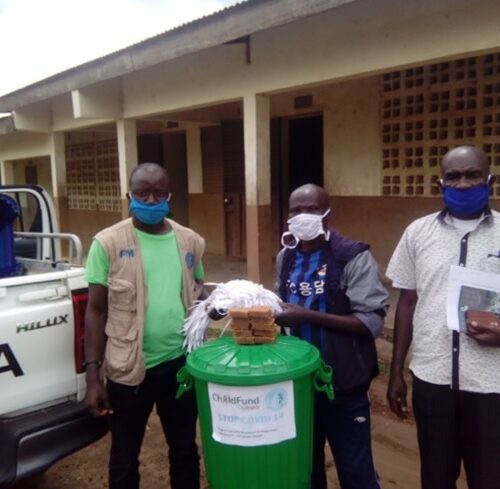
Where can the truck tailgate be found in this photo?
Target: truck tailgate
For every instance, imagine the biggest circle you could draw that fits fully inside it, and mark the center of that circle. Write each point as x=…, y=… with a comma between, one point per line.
x=37, y=355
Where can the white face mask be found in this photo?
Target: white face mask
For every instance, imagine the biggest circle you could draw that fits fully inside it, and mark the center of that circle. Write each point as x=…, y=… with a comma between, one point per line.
x=304, y=227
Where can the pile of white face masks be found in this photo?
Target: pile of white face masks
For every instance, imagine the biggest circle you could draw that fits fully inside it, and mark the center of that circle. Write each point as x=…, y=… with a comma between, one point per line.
x=235, y=293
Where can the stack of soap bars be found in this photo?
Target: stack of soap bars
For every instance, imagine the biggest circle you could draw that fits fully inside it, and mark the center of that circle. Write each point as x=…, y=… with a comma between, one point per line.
x=253, y=325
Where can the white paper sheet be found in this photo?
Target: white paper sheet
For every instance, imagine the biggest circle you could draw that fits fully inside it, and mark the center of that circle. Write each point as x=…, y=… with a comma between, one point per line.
x=253, y=415
x=470, y=290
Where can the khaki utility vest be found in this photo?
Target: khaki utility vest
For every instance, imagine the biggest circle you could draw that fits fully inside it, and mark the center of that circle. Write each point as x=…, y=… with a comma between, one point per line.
x=124, y=358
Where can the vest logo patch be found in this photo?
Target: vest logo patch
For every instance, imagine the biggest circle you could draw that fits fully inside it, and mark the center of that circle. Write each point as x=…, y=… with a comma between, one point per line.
x=127, y=253
x=189, y=260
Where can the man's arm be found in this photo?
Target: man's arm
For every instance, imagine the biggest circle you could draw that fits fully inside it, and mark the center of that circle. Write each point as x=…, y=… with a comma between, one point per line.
x=95, y=342
x=294, y=315
x=366, y=294
x=202, y=290
x=403, y=332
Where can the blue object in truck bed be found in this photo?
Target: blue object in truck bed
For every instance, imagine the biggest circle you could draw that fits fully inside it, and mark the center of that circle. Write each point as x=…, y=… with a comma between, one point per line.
x=9, y=211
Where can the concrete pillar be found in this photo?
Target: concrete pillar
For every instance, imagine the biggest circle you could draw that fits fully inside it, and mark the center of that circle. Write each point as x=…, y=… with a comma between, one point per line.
x=127, y=156
x=6, y=172
x=58, y=178
x=257, y=136
x=194, y=158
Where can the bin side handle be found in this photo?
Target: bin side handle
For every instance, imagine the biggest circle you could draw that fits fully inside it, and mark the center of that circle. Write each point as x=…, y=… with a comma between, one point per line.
x=322, y=381
x=185, y=382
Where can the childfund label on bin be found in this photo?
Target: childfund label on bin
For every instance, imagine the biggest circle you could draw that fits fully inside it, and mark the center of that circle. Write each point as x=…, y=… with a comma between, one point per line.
x=251, y=416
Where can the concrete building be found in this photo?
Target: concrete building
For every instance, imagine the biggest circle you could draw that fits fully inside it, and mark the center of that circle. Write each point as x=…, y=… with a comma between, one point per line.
x=360, y=96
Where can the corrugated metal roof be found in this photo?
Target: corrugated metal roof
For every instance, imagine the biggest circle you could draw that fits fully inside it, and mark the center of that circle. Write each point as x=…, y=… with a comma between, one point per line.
x=192, y=23
x=186, y=25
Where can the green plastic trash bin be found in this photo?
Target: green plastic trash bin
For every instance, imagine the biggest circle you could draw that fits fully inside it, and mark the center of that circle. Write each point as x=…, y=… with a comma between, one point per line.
x=255, y=406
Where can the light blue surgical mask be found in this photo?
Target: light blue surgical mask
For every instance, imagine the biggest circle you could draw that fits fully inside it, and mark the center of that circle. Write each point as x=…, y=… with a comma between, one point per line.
x=149, y=213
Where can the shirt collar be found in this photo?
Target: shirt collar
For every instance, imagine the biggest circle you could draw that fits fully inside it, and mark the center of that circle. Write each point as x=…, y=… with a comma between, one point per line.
x=445, y=213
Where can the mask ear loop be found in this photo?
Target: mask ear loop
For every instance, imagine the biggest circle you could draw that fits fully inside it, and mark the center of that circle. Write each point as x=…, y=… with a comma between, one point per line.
x=327, y=232
x=289, y=246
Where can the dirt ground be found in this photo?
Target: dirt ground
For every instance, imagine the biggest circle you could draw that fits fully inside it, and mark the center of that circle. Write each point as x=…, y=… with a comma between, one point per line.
x=394, y=445
x=394, y=441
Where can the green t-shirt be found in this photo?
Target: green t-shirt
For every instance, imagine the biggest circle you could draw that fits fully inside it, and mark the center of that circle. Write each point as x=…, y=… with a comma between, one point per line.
x=165, y=311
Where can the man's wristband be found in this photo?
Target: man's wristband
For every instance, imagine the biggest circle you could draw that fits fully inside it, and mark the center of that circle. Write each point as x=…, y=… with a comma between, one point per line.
x=92, y=362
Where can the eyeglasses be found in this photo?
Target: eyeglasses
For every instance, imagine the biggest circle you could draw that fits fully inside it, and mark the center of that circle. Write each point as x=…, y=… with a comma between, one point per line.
x=454, y=177
x=158, y=195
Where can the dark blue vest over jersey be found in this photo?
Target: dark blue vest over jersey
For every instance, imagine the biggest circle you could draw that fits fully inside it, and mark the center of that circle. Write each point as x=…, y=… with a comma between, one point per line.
x=353, y=357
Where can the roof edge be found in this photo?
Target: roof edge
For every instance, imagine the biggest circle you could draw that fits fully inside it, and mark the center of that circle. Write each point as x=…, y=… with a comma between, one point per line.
x=246, y=18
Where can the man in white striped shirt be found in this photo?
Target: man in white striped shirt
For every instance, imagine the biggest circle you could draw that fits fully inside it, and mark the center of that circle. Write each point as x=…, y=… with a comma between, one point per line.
x=456, y=377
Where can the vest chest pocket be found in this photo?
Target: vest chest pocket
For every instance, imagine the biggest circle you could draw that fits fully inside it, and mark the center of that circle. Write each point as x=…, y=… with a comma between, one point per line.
x=122, y=295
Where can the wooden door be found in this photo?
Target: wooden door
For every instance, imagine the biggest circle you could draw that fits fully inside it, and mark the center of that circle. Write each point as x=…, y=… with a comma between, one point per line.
x=234, y=188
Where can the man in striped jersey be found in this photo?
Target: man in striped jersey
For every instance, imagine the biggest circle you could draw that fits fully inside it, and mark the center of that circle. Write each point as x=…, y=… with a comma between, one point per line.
x=334, y=299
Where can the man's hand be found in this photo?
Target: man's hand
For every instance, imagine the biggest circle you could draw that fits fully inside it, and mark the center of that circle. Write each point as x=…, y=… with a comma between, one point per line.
x=295, y=315
x=403, y=332
x=96, y=398
x=96, y=315
x=396, y=395
x=292, y=315
x=484, y=328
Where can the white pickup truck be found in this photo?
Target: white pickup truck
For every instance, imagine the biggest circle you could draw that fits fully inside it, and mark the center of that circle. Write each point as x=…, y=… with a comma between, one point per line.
x=42, y=306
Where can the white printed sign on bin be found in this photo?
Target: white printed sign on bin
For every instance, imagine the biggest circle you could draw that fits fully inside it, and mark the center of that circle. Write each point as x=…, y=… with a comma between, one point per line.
x=251, y=416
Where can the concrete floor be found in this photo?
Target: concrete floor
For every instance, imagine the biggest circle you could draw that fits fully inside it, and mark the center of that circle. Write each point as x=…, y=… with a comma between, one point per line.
x=219, y=268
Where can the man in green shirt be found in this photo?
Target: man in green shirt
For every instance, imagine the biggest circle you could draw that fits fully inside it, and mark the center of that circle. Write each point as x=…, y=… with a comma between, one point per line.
x=143, y=273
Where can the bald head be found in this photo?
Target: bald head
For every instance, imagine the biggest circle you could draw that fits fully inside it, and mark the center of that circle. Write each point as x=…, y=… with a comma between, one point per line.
x=465, y=166
x=147, y=171
x=309, y=198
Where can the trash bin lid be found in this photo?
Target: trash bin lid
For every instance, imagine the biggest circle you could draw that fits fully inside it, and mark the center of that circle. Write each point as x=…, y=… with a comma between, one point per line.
x=225, y=362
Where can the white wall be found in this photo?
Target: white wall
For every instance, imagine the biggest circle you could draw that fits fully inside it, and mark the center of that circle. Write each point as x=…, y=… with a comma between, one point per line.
x=351, y=133
x=43, y=172
x=352, y=140
x=21, y=145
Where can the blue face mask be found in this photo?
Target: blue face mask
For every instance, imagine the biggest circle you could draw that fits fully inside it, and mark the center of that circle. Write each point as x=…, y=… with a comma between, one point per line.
x=149, y=213
x=469, y=202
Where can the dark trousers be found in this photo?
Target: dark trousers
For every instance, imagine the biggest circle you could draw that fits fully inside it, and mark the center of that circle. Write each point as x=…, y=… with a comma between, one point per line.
x=131, y=409
x=345, y=423
x=456, y=426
